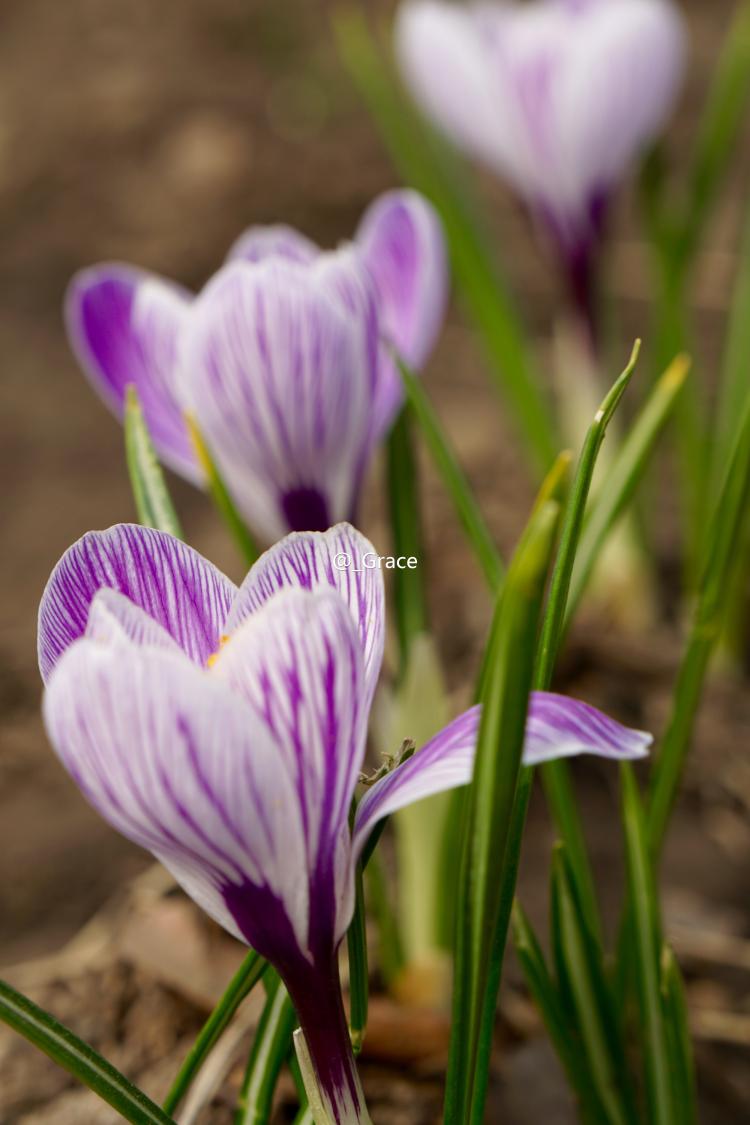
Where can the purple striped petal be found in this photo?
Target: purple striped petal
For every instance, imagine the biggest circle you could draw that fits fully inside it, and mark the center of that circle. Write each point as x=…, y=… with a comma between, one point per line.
x=178, y=764
x=170, y=581
x=558, y=97
x=278, y=241
x=298, y=663
x=402, y=241
x=556, y=727
x=338, y=559
x=125, y=326
x=114, y=619
x=281, y=380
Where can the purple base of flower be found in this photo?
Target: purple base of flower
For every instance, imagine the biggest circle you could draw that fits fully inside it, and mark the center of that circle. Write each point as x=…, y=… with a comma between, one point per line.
x=305, y=509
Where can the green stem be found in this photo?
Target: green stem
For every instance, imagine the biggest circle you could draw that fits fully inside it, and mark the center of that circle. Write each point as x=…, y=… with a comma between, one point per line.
x=269, y=1051
x=220, y=495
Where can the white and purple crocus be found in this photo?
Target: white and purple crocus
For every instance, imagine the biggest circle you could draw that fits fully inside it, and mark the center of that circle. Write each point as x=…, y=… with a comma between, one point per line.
x=283, y=358
x=556, y=96
x=224, y=730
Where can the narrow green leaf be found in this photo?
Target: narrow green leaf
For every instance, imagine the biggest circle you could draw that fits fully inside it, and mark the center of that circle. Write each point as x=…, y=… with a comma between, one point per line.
x=454, y=480
x=722, y=555
x=390, y=946
x=490, y=799
x=647, y=950
x=241, y=985
x=735, y=374
x=719, y=128
x=564, y=1037
x=682, y=1068
x=425, y=161
x=406, y=532
x=269, y=1051
x=583, y=986
x=624, y=475
x=80, y=1060
x=557, y=781
x=220, y=494
x=152, y=500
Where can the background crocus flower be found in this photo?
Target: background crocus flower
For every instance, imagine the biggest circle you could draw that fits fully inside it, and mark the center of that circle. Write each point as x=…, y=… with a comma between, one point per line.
x=282, y=357
x=224, y=730
x=557, y=96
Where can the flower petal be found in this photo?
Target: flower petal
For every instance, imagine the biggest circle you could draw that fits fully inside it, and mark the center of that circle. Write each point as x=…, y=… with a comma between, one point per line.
x=337, y=559
x=114, y=619
x=125, y=327
x=556, y=727
x=402, y=241
x=175, y=585
x=173, y=760
x=281, y=380
x=298, y=662
x=277, y=241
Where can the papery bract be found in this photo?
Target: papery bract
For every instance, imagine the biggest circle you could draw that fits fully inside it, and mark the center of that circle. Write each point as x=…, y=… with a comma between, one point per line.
x=283, y=357
x=224, y=729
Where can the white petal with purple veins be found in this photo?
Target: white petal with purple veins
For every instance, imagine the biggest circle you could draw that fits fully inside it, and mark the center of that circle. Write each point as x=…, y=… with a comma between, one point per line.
x=340, y=559
x=173, y=760
x=175, y=585
x=125, y=326
x=559, y=727
x=276, y=241
x=282, y=385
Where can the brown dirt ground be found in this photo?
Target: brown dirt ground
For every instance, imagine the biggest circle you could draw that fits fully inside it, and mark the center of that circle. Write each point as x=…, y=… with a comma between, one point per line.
x=155, y=134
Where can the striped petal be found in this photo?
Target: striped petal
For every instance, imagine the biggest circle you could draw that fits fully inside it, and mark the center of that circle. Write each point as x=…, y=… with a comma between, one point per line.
x=298, y=663
x=125, y=326
x=556, y=727
x=281, y=380
x=402, y=241
x=277, y=241
x=170, y=581
x=339, y=559
x=176, y=762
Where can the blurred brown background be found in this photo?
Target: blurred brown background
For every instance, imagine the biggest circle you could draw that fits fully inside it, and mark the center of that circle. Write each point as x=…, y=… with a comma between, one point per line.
x=155, y=133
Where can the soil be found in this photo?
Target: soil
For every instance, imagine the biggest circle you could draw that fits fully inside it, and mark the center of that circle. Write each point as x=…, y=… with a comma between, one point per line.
x=155, y=134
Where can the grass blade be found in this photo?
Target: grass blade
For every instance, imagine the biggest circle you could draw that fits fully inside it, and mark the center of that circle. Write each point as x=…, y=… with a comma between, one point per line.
x=624, y=475
x=241, y=985
x=359, y=984
x=152, y=500
x=80, y=1060
x=583, y=986
x=454, y=480
x=220, y=494
x=490, y=796
x=682, y=1068
x=271, y=1045
x=427, y=163
x=644, y=908
x=406, y=531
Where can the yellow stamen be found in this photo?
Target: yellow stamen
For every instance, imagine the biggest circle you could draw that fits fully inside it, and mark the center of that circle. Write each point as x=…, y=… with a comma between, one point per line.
x=215, y=655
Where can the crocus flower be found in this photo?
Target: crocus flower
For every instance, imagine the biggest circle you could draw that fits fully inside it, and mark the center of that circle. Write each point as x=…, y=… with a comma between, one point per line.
x=282, y=357
x=224, y=729
x=557, y=96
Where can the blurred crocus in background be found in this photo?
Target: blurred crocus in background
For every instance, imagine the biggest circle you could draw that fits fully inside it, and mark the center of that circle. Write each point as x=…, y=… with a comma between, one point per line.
x=224, y=730
x=556, y=96
x=283, y=358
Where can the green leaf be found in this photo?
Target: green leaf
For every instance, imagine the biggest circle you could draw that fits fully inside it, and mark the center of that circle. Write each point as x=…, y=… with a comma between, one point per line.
x=80, y=1060
x=220, y=494
x=359, y=987
x=490, y=800
x=406, y=530
x=735, y=372
x=241, y=985
x=623, y=476
x=723, y=539
x=583, y=986
x=721, y=123
x=644, y=908
x=424, y=160
x=682, y=1069
x=454, y=480
x=270, y=1048
x=564, y=1037
x=152, y=500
